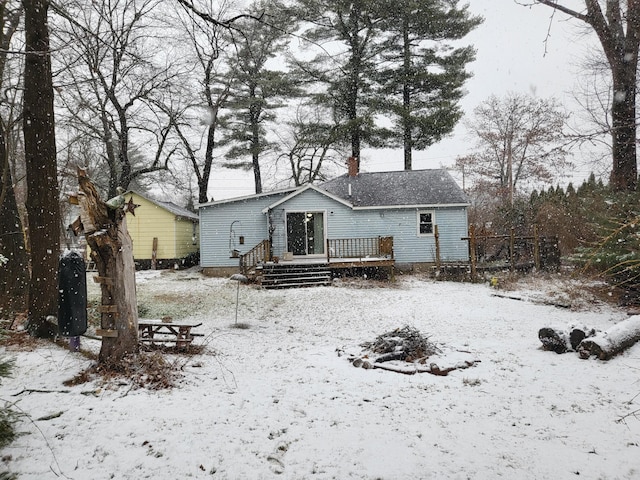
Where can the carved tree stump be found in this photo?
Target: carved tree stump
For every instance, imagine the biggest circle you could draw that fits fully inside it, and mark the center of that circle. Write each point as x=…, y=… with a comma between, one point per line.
x=105, y=230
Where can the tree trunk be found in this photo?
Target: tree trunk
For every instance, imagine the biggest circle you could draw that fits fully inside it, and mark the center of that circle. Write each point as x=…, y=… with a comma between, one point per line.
x=14, y=275
x=607, y=344
x=621, y=50
x=624, y=173
x=406, y=98
x=105, y=230
x=43, y=208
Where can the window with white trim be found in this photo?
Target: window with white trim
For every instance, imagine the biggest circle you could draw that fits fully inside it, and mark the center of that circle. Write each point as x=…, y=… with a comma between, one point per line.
x=425, y=222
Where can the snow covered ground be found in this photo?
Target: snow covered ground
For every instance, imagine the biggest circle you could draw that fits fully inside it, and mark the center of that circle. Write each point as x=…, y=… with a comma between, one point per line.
x=277, y=401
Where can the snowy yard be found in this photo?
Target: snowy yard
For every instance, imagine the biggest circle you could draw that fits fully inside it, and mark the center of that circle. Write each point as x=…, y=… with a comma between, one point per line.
x=277, y=401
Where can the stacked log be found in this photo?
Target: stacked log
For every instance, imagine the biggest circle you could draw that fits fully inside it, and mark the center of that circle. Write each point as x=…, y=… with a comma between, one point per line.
x=589, y=342
x=561, y=340
x=607, y=344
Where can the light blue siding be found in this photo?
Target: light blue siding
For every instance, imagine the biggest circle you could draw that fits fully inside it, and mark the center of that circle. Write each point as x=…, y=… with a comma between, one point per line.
x=399, y=223
x=215, y=229
x=341, y=222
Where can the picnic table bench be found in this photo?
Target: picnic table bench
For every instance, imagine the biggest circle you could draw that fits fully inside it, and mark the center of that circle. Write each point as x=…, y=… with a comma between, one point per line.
x=158, y=332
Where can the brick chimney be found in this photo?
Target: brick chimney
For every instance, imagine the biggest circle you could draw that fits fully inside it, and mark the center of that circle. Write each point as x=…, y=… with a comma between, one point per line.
x=352, y=163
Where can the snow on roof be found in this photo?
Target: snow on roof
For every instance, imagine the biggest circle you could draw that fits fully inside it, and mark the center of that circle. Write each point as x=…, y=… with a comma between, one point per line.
x=176, y=210
x=171, y=207
x=400, y=188
x=248, y=197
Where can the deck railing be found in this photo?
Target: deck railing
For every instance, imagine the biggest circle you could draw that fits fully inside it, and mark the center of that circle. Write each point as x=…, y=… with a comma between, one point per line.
x=376, y=247
x=261, y=253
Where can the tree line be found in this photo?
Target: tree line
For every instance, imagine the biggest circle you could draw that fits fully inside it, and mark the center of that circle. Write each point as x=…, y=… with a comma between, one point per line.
x=145, y=85
x=132, y=88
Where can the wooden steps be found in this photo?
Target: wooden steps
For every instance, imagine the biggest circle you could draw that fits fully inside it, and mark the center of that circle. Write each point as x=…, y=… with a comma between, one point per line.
x=294, y=275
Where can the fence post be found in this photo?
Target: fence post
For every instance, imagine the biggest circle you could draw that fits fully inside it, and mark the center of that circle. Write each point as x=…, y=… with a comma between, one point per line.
x=512, y=244
x=472, y=249
x=536, y=248
x=437, y=238
x=154, y=253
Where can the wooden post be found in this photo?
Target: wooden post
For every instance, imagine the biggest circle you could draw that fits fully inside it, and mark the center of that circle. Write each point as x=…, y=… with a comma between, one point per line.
x=472, y=250
x=437, y=238
x=154, y=253
x=536, y=248
x=512, y=244
x=112, y=251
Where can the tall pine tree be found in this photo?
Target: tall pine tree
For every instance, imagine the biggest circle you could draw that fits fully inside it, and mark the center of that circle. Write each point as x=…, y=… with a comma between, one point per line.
x=258, y=90
x=345, y=69
x=421, y=75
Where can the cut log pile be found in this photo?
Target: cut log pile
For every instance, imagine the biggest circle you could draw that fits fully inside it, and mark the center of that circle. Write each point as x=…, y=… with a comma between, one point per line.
x=590, y=342
x=405, y=350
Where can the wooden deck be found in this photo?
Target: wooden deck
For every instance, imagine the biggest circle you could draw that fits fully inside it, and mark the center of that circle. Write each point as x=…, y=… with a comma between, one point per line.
x=307, y=272
x=337, y=263
x=340, y=254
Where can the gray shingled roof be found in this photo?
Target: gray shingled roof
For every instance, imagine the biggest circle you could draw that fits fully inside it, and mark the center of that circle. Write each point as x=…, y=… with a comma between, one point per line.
x=171, y=207
x=176, y=210
x=412, y=187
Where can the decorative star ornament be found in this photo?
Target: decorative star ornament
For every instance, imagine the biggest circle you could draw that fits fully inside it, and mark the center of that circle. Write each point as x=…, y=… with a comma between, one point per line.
x=130, y=207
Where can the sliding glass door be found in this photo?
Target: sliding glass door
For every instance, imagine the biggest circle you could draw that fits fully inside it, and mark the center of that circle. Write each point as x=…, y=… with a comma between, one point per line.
x=305, y=233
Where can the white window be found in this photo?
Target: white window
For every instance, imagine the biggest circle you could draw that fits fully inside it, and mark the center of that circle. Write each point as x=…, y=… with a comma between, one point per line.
x=425, y=223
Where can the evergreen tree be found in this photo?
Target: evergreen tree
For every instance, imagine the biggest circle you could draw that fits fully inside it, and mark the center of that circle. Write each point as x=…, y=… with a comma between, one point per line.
x=7, y=416
x=422, y=75
x=346, y=70
x=257, y=89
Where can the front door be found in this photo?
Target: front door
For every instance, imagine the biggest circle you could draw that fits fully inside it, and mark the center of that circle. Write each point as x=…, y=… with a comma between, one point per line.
x=305, y=233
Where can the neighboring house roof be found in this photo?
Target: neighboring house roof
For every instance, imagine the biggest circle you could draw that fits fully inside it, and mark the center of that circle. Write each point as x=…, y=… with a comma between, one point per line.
x=394, y=189
x=248, y=197
x=171, y=207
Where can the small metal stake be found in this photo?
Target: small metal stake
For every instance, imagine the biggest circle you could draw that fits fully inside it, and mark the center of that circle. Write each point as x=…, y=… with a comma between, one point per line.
x=240, y=279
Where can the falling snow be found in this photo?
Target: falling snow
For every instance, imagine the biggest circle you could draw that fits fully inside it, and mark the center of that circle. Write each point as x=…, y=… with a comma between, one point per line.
x=276, y=400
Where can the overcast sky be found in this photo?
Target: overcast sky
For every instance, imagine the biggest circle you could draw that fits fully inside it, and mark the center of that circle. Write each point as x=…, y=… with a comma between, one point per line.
x=512, y=56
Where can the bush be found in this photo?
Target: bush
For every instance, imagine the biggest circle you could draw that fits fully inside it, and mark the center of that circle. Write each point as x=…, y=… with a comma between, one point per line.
x=7, y=416
x=191, y=260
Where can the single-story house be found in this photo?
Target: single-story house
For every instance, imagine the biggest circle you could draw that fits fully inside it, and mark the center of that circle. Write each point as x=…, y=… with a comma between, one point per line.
x=391, y=217
x=162, y=232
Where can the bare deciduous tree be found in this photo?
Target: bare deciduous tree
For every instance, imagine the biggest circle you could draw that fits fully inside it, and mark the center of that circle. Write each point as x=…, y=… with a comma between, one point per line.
x=115, y=82
x=206, y=45
x=617, y=25
x=14, y=274
x=519, y=139
x=310, y=144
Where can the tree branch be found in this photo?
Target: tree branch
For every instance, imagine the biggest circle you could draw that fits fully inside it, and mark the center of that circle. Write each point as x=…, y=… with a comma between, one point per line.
x=554, y=4
x=220, y=23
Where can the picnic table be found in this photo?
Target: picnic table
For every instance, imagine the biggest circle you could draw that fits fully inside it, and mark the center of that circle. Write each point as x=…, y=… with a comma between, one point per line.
x=159, y=332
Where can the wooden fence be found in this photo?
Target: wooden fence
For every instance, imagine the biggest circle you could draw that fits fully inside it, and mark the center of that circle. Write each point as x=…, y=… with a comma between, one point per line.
x=489, y=251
